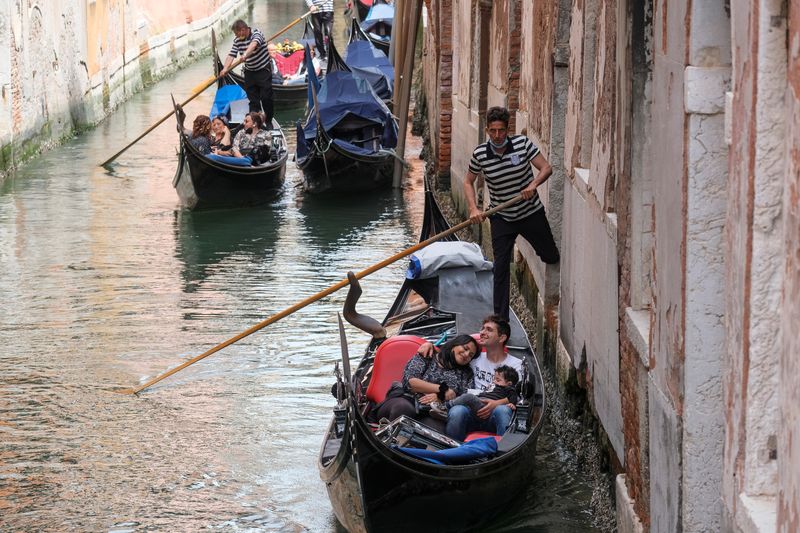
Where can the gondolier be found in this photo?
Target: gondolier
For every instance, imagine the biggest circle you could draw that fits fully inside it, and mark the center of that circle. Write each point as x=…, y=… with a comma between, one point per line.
x=507, y=162
x=323, y=23
x=250, y=43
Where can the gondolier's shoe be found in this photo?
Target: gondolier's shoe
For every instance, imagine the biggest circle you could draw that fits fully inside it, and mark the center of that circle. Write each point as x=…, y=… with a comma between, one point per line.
x=438, y=411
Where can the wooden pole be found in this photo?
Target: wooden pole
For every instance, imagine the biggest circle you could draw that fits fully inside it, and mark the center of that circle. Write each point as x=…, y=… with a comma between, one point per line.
x=202, y=87
x=403, y=99
x=330, y=290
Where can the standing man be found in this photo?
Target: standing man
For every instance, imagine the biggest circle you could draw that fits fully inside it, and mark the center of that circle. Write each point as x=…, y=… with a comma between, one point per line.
x=323, y=24
x=508, y=164
x=250, y=43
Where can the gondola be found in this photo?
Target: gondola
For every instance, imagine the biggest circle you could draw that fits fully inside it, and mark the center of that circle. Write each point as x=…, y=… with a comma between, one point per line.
x=362, y=7
x=373, y=486
x=369, y=63
x=347, y=141
x=282, y=95
x=377, y=25
x=202, y=183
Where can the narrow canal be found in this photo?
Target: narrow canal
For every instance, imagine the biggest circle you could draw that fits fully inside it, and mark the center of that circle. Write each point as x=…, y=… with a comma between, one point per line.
x=105, y=282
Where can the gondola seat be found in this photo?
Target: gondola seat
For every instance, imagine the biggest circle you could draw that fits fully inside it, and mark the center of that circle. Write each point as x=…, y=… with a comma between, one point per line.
x=390, y=361
x=481, y=435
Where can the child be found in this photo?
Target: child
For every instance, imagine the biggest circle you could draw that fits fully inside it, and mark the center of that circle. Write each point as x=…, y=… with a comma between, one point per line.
x=503, y=386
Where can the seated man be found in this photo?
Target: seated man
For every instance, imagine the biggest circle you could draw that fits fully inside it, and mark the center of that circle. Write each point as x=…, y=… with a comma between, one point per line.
x=495, y=415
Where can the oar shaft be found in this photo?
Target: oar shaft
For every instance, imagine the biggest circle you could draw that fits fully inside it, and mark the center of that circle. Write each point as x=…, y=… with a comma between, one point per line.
x=197, y=92
x=324, y=293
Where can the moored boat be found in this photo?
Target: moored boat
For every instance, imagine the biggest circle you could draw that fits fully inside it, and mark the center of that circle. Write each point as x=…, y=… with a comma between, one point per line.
x=347, y=140
x=369, y=63
x=372, y=483
x=377, y=25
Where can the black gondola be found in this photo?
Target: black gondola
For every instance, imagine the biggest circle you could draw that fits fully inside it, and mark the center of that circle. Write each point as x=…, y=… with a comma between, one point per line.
x=375, y=487
x=377, y=24
x=286, y=95
x=347, y=141
x=366, y=61
x=203, y=183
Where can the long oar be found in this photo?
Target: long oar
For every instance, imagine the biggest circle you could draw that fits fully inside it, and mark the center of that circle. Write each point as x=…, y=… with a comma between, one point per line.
x=311, y=299
x=197, y=91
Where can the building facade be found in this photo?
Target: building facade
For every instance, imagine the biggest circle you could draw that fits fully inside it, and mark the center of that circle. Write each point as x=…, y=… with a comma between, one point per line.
x=674, y=133
x=65, y=64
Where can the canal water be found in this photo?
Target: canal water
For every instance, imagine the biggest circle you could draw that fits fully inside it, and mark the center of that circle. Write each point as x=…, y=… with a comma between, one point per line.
x=106, y=282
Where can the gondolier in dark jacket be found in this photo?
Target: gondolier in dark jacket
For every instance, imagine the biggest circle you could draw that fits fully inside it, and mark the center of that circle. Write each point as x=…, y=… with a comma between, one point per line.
x=250, y=43
x=323, y=23
x=508, y=164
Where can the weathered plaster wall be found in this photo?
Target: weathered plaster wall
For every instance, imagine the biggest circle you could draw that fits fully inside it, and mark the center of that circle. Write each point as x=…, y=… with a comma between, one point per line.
x=65, y=65
x=788, y=452
x=755, y=265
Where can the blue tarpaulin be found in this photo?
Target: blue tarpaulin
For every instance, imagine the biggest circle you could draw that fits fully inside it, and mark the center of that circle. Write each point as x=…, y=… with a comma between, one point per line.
x=222, y=100
x=371, y=64
x=378, y=13
x=469, y=451
x=344, y=96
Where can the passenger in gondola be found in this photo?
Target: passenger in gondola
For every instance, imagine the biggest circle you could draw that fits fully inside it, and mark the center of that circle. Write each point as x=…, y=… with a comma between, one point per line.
x=220, y=136
x=495, y=416
x=300, y=77
x=200, y=136
x=503, y=386
x=277, y=77
x=251, y=140
x=426, y=380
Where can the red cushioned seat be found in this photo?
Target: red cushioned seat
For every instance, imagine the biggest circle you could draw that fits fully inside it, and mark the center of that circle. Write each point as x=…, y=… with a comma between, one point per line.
x=390, y=361
x=288, y=65
x=480, y=435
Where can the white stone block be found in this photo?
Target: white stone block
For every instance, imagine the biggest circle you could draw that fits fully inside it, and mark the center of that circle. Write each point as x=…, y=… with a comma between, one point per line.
x=705, y=89
x=627, y=521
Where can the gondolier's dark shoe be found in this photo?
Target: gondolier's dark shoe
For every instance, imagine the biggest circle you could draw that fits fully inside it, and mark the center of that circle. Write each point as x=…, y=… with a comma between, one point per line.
x=438, y=411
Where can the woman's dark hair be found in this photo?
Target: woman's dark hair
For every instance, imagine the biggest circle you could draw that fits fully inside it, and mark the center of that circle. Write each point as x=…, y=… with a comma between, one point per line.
x=445, y=356
x=495, y=114
x=257, y=119
x=201, y=127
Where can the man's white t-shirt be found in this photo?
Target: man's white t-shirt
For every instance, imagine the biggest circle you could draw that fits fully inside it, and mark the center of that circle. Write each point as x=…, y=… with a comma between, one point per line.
x=484, y=369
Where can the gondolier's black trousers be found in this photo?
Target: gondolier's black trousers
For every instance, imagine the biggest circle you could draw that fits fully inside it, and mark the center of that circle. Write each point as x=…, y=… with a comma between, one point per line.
x=258, y=86
x=323, y=23
x=536, y=230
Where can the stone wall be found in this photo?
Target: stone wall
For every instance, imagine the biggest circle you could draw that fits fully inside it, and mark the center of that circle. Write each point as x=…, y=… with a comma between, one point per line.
x=66, y=65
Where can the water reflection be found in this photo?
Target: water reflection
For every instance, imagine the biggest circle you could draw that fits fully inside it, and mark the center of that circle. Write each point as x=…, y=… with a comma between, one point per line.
x=206, y=239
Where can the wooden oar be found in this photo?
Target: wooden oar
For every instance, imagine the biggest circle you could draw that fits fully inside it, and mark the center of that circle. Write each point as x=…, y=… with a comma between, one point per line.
x=195, y=93
x=311, y=299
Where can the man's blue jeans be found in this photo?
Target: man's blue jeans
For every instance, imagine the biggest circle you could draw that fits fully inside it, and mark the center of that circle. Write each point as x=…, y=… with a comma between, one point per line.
x=461, y=420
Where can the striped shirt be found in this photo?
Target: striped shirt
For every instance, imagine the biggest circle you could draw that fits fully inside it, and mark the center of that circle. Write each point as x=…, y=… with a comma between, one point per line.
x=260, y=57
x=507, y=174
x=323, y=6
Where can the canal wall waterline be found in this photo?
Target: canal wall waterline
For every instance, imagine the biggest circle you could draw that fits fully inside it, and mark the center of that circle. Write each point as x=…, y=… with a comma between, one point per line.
x=65, y=66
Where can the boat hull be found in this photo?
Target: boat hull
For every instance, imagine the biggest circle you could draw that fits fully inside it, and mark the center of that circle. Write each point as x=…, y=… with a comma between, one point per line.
x=204, y=184
x=340, y=171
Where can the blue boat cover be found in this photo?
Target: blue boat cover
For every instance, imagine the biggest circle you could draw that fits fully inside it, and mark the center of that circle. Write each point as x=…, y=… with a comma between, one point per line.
x=369, y=63
x=378, y=13
x=222, y=100
x=342, y=95
x=469, y=451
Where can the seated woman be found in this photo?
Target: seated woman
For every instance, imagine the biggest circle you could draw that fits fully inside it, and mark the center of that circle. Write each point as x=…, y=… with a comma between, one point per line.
x=299, y=77
x=250, y=137
x=220, y=136
x=277, y=77
x=439, y=378
x=200, y=136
